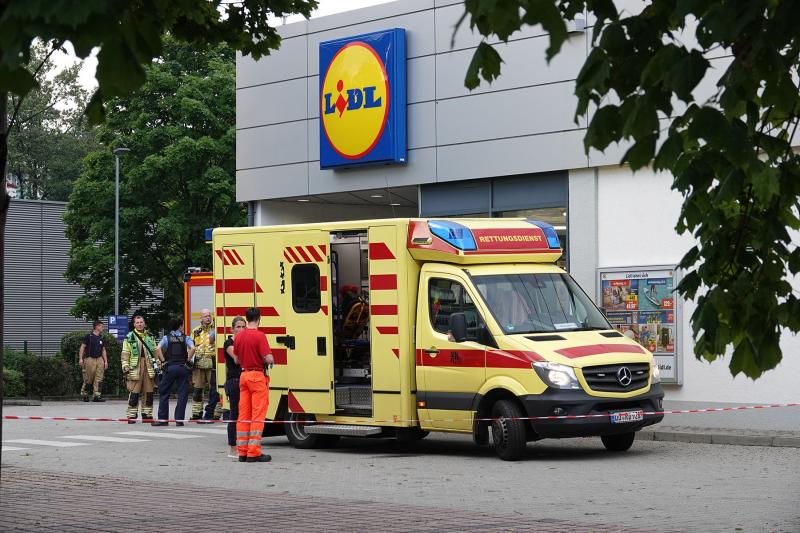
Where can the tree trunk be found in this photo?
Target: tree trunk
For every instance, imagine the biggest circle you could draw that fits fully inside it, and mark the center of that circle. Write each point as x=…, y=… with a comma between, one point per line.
x=4, y=201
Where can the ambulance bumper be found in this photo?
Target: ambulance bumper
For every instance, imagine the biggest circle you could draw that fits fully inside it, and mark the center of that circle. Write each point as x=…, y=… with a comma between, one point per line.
x=554, y=402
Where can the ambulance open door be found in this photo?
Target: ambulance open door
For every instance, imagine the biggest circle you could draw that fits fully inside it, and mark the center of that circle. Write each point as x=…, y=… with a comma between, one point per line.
x=308, y=339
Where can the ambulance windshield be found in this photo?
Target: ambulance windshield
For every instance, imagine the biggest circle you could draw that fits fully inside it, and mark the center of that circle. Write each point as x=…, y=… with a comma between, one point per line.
x=536, y=303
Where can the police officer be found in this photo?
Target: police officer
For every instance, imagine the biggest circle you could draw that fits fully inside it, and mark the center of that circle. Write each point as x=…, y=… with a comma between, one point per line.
x=204, y=339
x=141, y=358
x=177, y=349
x=93, y=360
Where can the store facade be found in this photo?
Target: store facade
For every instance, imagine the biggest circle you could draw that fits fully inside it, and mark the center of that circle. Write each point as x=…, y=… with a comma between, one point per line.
x=511, y=148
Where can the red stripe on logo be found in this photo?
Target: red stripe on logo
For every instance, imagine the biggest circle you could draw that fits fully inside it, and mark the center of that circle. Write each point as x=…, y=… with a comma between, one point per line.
x=302, y=254
x=230, y=257
x=379, y=251
x=224, y=259
x=285, y=255
x=383, y=310
x=236, y=311
x=323, y=283
x=596, y=349
x=239, y=257
x=294, y=255
x=279, y=354
x=314, y=253
x=238, y=285
x=387, y=330
x=383, y=282
x=294, y=405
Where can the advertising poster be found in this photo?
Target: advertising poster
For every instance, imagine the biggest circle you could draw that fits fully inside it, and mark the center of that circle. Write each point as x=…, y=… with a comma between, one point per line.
x=640, y=303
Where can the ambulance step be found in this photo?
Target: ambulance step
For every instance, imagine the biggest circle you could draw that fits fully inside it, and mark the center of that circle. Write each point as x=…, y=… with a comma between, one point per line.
x=343, y=429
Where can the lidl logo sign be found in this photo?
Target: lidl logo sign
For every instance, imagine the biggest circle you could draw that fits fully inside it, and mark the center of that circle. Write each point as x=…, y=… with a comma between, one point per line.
x=362, y=100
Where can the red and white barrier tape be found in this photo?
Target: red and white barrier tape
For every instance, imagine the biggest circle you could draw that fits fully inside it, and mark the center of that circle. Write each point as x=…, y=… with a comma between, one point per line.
x=396, y=421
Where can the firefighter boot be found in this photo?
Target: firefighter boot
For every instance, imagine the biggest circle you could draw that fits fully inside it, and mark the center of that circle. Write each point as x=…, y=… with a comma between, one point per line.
x=85, y=391
x=133, y=407
x=147, y=408
x=197, y=404
x=97, y=396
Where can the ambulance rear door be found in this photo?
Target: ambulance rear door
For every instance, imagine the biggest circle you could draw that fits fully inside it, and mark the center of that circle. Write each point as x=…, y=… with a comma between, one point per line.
x=308, y=340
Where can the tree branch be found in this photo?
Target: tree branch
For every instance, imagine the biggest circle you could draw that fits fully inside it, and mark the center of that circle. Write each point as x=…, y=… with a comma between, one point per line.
x=56, y=46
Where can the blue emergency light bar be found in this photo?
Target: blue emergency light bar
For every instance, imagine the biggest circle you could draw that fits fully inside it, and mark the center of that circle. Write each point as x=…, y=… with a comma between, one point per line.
x=549, y=233
x=453, y=233
x=208, y=232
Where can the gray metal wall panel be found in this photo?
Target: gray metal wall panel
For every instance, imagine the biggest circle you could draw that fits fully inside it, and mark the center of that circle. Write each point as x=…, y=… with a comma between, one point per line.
x=420, y=38
x=446, y=20
x=272, y=103
x=290, y=180
x=279, y=144
x=524, y=64
x=520, y=155
x=540, y=109
x=359, y=17
x=421, y=168
x=286, y=63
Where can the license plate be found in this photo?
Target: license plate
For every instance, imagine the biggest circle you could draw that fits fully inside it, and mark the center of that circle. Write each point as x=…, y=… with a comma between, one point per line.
x=620, y=417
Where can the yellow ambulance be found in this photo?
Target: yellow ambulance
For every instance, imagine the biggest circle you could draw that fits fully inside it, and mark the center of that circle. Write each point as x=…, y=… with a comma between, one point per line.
x=398, y=327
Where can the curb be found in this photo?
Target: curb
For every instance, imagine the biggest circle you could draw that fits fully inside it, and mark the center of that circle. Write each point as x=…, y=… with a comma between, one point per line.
x=23, y=402
x=694, y=437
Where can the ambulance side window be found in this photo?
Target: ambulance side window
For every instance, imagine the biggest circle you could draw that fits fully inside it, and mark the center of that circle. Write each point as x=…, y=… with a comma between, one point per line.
x=305, y=288
x=446, y=297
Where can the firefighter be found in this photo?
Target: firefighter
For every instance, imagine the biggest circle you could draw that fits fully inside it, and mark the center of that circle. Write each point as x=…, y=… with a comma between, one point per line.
x=141, y=361
x=204, y=339
x=93, y=360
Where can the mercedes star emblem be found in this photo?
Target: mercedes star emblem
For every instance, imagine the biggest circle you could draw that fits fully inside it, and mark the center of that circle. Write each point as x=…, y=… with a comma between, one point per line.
x=624, y=376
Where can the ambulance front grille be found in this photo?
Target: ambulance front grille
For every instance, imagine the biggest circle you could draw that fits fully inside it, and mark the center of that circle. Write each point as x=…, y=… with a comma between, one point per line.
x=605, y=378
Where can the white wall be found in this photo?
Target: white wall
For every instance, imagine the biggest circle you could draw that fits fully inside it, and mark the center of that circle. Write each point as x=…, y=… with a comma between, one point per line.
x=636, y=219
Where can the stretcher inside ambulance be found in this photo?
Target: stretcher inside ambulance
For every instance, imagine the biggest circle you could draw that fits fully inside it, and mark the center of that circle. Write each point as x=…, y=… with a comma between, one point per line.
x=395, y=328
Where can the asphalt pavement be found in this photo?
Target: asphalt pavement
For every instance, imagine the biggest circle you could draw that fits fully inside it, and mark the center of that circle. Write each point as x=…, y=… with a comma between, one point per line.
x=442, y=483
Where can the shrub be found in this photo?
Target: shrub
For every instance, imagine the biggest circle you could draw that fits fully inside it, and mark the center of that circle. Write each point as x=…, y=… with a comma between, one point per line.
x=13, y=384
x=14, y=359
x=68, y=353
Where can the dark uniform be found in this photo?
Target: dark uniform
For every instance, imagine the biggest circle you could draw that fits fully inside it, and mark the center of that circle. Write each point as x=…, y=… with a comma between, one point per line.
x=175, y=347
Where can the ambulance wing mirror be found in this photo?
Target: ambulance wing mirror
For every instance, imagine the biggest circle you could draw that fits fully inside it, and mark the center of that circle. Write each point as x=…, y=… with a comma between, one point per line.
x=457, y=323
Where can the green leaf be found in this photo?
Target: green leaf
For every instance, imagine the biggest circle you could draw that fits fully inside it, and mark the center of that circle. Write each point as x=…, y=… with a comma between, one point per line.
x=485, y=64
x=18, y=81
x=641, y=153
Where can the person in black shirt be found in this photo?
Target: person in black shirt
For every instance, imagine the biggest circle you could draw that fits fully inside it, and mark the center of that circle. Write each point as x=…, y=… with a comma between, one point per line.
x=93, y=361
x=232, y=373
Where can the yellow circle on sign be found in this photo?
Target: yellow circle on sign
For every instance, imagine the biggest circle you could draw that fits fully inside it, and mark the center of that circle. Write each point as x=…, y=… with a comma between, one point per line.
x=354, y=101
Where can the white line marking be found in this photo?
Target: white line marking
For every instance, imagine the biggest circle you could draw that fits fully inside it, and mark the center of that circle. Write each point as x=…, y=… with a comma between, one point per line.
x=103, y=438
x=201, y=430
x=161, y=435
x=53, y=443
x=12, y=448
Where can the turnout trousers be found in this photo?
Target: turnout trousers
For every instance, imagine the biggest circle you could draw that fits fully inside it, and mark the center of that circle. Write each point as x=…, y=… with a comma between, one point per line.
x=253, y=403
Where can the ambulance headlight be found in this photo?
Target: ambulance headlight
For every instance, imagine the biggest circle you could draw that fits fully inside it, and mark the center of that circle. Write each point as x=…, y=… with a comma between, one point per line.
x=557, y=375
x=655, y=373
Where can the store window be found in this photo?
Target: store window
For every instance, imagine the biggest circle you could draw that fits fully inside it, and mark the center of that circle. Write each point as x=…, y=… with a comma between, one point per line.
x=555, y=216
x=306, y=296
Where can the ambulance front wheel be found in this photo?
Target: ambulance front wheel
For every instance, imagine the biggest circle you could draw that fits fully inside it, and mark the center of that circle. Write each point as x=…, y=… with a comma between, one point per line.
x=508, y=430
x=618, y=443
x=296, y=433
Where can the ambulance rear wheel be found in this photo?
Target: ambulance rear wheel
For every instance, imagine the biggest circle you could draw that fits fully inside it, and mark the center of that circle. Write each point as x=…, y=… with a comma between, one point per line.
x=296, y=433
x=618, y=443
x=508, y=431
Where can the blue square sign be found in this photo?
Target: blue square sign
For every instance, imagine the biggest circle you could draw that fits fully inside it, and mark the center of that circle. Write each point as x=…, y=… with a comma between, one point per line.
x=118, y=326
x=362, y=100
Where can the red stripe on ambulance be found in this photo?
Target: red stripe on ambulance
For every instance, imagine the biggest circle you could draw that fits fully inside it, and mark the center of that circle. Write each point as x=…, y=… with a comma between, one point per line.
x=389, y=310
x=286, y=256
x=294, y=405
x=302, y=254
x=597, y=349
x=379, y=251
x=242, y=285
x=387, y=330
x=314, y=253
x=235, y=311
x=383, y=282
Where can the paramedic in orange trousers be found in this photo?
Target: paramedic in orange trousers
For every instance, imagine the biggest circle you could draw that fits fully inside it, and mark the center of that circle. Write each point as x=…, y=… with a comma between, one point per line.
x=252, y=349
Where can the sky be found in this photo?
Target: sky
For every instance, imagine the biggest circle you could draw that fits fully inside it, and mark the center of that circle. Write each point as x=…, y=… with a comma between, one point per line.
x=326, y=7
